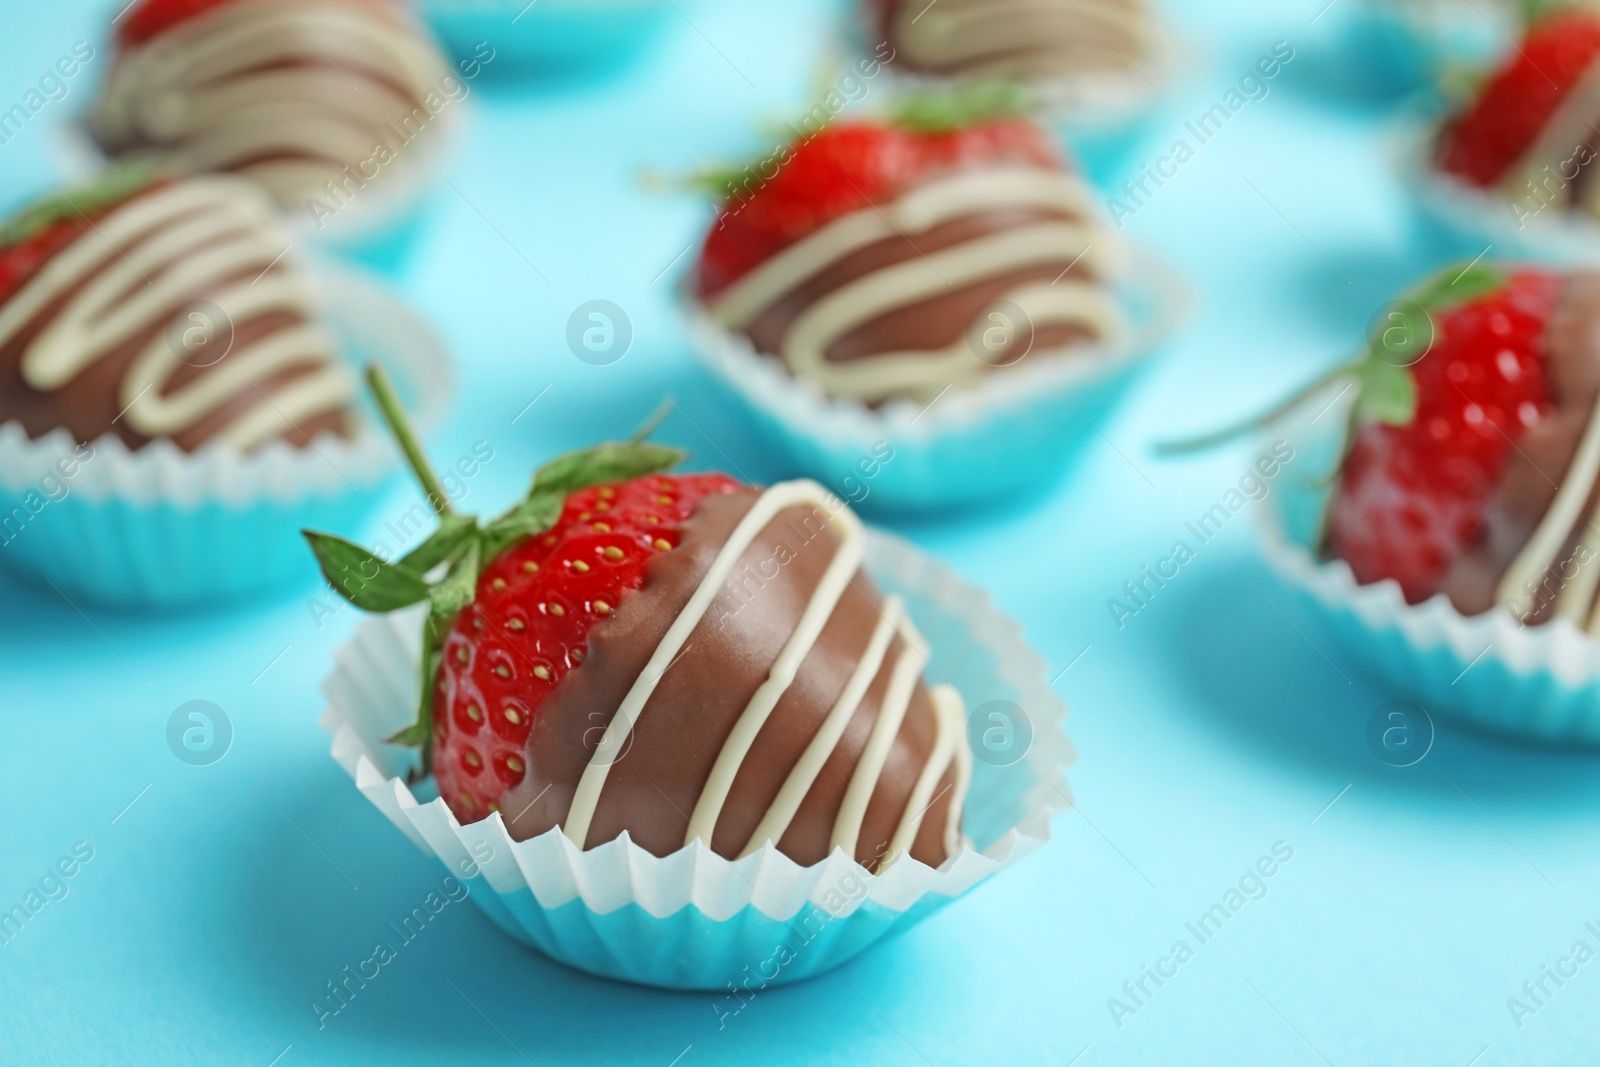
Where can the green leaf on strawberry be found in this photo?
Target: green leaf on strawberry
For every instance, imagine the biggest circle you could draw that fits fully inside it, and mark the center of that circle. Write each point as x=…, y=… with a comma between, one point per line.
x=111, y=187
x=462, y=545
x=955, y=109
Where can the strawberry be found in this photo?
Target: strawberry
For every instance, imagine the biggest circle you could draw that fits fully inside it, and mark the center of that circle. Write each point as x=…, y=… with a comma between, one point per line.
x=1414, y=491
x=1511, y=111
x=41, y=230
x=511, y=615
x=1431, y=434
x=857, y=164
x=529, y=621
x=150, y=18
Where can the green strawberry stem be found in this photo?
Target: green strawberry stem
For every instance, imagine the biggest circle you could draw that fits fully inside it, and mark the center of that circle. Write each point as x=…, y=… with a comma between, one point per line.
x=1385, y=389
x=395, y=415
x=1255, y=422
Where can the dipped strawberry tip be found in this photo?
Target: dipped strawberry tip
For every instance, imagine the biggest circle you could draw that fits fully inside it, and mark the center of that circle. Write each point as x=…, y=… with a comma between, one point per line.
x=444, y=570
x=1452, y=378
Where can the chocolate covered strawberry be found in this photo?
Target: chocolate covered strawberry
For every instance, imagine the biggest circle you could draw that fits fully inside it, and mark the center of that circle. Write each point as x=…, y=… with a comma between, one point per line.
x=315, y=100
x=677, y=657
x=871, y=255
x=164, y=309
x=1474, y=449
x=1530, y=131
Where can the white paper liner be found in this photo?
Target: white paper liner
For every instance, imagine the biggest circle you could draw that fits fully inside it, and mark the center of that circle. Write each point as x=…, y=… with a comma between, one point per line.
x=372, y=693
x=369, y=323
x=1153, y=299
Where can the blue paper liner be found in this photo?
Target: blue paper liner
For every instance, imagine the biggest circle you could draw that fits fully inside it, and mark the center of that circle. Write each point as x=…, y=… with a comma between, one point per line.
x=1407, y=45
x=161, y=528
x=1011, y=438
x=551, y=37
x=693, y=920
x=1487, y=670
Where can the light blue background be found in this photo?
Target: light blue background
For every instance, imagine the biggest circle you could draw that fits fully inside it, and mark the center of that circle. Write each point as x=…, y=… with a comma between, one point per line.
x=218, y=904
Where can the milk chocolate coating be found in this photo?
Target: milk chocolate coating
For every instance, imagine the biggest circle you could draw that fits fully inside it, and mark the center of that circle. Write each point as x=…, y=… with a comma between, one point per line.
x=1056, y=40
x=1540, y=462
x=90, y=404
x=658, y=776
x=927, y=325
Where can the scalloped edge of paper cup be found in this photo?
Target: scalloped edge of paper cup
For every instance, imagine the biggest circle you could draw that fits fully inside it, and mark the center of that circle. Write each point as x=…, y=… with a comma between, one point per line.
x=1489, y=670
x=1016, y=430
x=692, y=919
x=159, y=527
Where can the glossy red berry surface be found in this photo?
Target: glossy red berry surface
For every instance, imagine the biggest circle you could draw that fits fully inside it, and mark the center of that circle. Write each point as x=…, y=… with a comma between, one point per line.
x=529, y=624
x=1412, y=498
x=1514, y=106
x=845, y=168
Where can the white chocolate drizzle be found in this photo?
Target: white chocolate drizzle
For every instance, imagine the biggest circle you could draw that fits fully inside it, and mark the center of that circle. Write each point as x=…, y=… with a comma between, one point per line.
x=948, y=743
x=1023, y=38
x=286, y=92
x=1068, y=301
x=139, y=268
x=1542, y=553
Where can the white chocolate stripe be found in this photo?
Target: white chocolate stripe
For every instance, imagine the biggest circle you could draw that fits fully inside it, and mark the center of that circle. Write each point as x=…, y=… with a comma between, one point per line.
x=915, y=212
x=997, y=33
x=586, y=797
x=953, y=837
x=1544, y=547
x=914, y=281
x=1577, y=599
x=852, y=815
x=824, y=599
x=179, y=239
x=775, y=823
x=939, y=760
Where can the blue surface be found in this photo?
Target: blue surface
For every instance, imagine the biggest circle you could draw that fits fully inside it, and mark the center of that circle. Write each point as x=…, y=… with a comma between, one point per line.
x=220, y=899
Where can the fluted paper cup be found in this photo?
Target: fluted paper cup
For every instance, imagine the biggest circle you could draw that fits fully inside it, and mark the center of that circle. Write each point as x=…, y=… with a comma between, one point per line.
x=693, y=920
x=1488, y=670
x=161, y=528
x=1009, y=438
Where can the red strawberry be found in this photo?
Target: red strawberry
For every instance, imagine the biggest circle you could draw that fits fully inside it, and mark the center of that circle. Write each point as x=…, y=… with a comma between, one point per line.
x=512, y=615
x=854, y=165
x=150, y=18
x=1413, y=496
x=529, y=623
x=41, y=230
x=1511, y=111
x=1431, y=434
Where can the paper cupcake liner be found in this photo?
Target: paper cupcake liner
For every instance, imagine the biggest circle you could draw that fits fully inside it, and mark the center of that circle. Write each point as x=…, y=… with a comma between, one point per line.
x=1489, y=670
x=693, y=920
x=553, y=37
x=162, y=528
x=1012, y=435
x=1466, y=220
x=382, y=224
